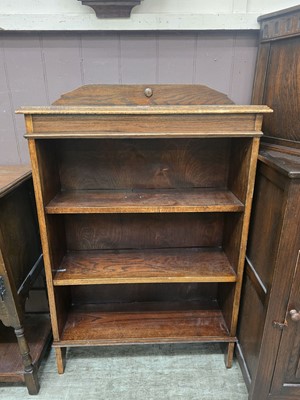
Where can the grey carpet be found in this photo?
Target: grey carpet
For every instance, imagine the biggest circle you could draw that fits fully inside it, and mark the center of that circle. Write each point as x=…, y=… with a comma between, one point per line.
x=156, y=372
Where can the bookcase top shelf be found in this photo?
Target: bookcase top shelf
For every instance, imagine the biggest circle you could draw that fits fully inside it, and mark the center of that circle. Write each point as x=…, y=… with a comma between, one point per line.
x=142, y=135
x=146, y=110
x=138, y=111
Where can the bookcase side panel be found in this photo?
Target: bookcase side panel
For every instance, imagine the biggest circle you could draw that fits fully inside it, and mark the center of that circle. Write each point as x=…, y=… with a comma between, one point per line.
x=236, y=232
x=46, y=183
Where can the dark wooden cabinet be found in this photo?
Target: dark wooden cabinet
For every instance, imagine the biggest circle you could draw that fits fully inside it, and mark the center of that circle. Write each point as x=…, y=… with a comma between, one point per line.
x=269, y=327
x=144, y=197
x=268, y=336
x=23, y=335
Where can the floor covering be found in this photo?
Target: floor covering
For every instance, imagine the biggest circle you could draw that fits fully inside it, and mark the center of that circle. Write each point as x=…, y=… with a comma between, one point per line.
x=152, y=372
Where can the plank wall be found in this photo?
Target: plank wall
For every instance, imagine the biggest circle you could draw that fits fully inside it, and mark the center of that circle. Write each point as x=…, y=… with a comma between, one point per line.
x=35, y=68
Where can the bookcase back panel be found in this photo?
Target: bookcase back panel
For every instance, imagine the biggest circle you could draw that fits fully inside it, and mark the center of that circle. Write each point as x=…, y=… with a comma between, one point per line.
x=124, y=164
x=127, y=231
x=168, y=292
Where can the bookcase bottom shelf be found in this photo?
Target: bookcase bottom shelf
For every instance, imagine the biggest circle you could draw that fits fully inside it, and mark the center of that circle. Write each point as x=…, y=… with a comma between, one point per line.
x=97, y=325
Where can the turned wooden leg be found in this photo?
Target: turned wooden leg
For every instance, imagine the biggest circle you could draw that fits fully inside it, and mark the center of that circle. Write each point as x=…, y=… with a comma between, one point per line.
x=229, y=355
x=60, y=353
x=30, y=371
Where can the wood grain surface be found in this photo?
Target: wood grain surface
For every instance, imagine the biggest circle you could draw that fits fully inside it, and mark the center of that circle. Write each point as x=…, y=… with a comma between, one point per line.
x=143, y=135
x=144, y=201
x=144, y=266
x=11, y=176
x=124, y=218
x=137, y=164
x=179, y=122
x=283, y=94
x=38, y=332
x=112, y=95
x=144, y=110
x=132, y=293
x=19, y=228
x=144, y=323
x=133, y=231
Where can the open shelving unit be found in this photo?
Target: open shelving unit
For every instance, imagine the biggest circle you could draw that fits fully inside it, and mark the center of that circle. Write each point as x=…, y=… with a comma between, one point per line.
x=144, y=199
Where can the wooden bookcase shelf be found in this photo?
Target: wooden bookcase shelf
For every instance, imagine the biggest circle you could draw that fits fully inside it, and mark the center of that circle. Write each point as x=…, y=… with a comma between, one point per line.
x=144, y=323
x=144, y=201
x=144, y=233
x=144, y=266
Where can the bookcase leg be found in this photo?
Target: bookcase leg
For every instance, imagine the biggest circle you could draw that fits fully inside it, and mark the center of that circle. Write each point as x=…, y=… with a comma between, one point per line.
x=30, y=371
x=60, y=353
x=229, y=355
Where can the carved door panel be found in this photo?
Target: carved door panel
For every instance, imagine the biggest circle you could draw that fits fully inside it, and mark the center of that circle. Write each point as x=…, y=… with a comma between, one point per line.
x=286, y=378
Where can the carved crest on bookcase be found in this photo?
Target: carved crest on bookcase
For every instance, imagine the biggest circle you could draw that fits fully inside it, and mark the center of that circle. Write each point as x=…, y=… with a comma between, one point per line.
x=112, y=8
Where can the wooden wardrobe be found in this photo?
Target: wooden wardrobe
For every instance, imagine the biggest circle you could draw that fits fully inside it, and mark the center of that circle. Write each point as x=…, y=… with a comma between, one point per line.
x=269, y=326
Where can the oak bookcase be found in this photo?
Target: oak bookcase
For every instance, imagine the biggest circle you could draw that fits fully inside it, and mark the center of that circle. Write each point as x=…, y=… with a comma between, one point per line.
x=143, y=196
